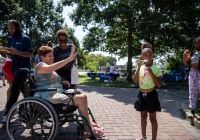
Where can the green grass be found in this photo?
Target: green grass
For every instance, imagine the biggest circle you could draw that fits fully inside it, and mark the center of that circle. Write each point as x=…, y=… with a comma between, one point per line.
x=84, y=80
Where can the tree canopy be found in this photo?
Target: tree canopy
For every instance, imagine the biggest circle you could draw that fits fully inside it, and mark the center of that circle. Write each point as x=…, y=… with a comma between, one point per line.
x=98, y=60
x=121, y=26
x=40, y=20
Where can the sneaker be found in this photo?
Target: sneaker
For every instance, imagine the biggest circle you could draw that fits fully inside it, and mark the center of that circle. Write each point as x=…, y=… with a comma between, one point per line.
x=3, y=120
x=4, y=84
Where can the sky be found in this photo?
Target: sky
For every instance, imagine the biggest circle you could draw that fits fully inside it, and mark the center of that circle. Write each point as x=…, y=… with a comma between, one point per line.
x=79, y=33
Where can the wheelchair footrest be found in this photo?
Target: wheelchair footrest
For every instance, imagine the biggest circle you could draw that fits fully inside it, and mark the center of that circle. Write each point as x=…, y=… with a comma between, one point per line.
x=67, y=115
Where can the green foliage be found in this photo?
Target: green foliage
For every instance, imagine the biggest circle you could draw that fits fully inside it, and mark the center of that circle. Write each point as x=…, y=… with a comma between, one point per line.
x=93, y=66
x=102, y=60
x=84, y=80
x=120, y=26
x=174, y=62
x=110, y=60
x=40, y=20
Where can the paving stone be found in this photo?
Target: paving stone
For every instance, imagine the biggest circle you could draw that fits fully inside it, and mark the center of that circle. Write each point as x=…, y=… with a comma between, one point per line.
x=113, y=108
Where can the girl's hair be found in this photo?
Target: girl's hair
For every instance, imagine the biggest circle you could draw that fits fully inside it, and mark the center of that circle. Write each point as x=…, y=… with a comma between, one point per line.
x=17, y=27
x=43, y=50
x=61, y=33
x=146, y=45
x=193, y=47
x=196, y=39
x=192, y=52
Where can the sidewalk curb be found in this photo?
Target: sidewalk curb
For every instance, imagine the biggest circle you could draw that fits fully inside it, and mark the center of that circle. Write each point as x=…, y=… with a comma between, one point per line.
x=185, y=110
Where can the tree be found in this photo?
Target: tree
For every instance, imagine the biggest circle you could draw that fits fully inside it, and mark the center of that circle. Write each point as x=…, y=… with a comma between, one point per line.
x=40, y=19
x=93, y=66
x=8, y=10
x=112, y=15
x=120, y=26
x=110, y=60
x=96, y=58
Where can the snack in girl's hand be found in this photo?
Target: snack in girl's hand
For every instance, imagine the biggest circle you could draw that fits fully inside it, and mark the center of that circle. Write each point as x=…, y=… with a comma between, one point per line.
x=144, y=61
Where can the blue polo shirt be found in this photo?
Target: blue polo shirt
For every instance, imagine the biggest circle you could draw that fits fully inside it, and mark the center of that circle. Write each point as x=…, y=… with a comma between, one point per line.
x=21, y=43
x=37, y=58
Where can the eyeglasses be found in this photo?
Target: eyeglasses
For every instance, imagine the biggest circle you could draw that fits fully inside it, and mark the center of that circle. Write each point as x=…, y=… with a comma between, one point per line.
x=60, y=40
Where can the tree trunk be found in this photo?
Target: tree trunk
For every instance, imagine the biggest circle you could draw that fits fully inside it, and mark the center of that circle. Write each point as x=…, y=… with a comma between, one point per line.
x=130, y=52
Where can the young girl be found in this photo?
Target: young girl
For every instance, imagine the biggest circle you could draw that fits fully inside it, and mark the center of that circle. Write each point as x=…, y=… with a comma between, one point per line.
x=7, y=69
x=148, y=76
x=194, y=73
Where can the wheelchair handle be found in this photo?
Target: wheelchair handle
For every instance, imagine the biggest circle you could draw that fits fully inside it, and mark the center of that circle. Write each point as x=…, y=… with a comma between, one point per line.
x=39, y=90
x=24, y=70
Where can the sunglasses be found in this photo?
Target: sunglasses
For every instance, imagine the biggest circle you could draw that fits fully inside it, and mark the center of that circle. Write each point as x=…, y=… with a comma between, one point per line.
x=60, y=40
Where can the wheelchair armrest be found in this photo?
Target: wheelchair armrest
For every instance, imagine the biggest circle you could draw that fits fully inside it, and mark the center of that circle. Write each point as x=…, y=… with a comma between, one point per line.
x=71, y=91
x=40, y=90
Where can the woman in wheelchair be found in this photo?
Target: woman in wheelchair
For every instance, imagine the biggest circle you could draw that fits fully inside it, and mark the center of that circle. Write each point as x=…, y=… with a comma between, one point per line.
x=46, y=77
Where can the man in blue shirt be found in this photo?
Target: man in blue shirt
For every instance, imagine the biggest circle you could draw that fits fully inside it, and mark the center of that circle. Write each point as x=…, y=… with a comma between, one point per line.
x=37, y=60
x=20, y=49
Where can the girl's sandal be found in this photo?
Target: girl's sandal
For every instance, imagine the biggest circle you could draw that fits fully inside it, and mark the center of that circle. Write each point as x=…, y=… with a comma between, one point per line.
x=98, y=132
x=142, y=138
x=87, y=135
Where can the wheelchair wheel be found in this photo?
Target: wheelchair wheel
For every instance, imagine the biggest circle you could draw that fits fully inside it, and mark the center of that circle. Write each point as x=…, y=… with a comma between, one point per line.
x=32, y=118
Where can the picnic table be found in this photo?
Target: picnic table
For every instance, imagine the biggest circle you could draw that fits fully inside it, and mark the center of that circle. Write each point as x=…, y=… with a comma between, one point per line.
x=106, y=76
x=171, y=77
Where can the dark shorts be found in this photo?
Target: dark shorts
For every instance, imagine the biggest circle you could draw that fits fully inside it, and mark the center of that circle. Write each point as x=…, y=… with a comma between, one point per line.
x=148, y=101
x=59, y=108
x=111, y=74
x=69, y=108
x=2, y=74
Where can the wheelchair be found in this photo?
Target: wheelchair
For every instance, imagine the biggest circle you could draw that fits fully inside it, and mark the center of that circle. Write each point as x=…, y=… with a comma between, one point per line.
x=37, y=119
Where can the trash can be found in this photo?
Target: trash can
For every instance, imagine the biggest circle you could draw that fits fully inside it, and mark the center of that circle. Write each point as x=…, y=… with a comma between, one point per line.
x=93, y=76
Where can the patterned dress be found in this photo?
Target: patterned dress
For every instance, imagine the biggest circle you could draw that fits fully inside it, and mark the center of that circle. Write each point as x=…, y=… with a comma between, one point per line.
x=49, y=80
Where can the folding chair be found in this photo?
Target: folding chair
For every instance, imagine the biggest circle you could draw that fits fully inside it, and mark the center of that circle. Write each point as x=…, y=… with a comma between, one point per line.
x=124, y=78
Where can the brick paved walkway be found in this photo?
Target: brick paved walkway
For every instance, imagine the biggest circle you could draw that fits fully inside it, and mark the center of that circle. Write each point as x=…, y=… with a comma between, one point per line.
x=113, y=108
